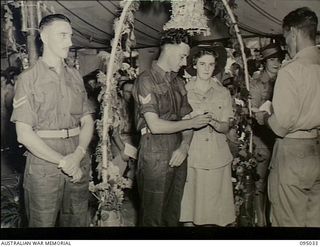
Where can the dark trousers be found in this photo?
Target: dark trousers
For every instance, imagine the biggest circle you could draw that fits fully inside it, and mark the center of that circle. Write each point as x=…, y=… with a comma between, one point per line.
x=160, y=186
x=49, y=192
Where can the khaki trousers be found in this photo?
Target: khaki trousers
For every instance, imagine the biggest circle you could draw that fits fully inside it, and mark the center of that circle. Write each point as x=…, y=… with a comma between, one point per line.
x=49, y=192
x=294, y=183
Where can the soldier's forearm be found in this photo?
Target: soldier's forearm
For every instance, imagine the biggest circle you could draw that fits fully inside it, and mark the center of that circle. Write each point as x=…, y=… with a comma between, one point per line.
x=187, y=136
x=35, y=144
x=86, y=131
x=161, y=126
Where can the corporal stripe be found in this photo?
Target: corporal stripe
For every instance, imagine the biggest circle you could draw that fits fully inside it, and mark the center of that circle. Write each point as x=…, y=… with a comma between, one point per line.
x=19, y=100
x=16, y=105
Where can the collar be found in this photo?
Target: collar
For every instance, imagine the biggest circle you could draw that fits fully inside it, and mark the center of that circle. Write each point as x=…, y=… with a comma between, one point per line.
x=161, y=72
x=213, y=84
x=40, y=60
x=308, y=52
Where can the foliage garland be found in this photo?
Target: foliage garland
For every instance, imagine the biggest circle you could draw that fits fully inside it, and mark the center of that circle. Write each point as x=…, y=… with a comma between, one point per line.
x=244, y=163
x=109, y=191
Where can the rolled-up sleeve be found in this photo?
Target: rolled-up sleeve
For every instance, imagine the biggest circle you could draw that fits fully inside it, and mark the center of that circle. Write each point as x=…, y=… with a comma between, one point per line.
x=23, y=109
x=284, y=103
x=144, y=95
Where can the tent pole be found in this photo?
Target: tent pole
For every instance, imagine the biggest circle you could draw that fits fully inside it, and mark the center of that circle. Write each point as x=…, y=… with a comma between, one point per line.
x=107, y=106
x=244, y=58
x=31, y=31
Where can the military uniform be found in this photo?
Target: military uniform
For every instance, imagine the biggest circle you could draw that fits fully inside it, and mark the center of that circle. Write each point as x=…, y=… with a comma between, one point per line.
x=208, y=192
x=47, y=100
x=160, y=186
x=294, y=180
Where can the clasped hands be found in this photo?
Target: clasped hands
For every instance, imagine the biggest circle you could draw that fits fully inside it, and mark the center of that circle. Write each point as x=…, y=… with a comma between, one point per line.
x=199, y=121
x=70, y=164
x=208, y=118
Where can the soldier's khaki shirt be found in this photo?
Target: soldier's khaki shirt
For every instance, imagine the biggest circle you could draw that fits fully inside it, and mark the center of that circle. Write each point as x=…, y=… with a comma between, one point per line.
x=209, y=149
x=160, y=92
x=47, y=100
x=296, y=98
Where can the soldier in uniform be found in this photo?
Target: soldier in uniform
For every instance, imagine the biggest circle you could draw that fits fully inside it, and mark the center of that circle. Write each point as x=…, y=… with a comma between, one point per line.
x=53, y=121
x=161, y=103
x=261, y=89
x=294, y=180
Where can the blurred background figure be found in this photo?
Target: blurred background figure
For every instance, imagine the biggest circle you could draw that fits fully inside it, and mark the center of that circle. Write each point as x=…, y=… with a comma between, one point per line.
x=261, y=89
x=126, y=133
x=254, y=63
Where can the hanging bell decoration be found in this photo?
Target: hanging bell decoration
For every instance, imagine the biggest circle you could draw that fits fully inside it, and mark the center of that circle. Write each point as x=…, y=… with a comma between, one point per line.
x=188, y=15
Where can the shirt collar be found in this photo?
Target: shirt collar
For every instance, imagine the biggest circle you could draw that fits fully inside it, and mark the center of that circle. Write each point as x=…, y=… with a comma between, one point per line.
x=308, y=52
x=40, y=60
x=213, y=84
x=162, y=73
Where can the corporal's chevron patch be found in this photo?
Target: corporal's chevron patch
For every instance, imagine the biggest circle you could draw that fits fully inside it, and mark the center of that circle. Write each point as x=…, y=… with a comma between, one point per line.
x=19, y=102
x=145, y=100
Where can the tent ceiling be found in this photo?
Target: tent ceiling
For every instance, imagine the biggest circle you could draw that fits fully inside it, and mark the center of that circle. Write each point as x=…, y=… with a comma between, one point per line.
x=93, y=20
x=266, y=15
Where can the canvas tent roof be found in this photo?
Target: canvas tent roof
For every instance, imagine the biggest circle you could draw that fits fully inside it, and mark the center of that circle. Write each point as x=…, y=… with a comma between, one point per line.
x=93, y=20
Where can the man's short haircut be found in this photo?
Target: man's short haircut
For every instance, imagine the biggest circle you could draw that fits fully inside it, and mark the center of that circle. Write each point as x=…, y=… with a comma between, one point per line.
x=303, y=19
x=47, y=20
x=175, y=36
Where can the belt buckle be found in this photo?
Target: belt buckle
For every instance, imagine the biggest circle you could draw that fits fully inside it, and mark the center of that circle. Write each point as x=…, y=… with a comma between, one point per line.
x=67, y=134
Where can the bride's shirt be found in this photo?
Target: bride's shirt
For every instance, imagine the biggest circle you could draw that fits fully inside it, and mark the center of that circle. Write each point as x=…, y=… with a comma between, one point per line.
x=209, y=149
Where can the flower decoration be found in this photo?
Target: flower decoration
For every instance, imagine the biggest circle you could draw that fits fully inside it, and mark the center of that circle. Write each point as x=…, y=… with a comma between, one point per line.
x=9, y=27
x=188, y=15
x=244, y=162
x=109, y=192
x=110, y=196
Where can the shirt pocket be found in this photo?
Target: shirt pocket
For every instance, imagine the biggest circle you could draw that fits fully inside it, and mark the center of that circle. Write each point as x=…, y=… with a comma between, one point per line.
x=45, y=96
x=45, y=103
x=164, y=100
x=217, y=108
x=197, y=106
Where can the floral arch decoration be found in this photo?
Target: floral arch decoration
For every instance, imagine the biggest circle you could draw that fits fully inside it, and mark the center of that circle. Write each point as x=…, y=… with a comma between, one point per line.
x=110, y=190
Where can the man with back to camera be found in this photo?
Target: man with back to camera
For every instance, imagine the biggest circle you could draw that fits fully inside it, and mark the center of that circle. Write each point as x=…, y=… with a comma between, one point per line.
x=161, y=103
x=53, y=121
x=294, y=180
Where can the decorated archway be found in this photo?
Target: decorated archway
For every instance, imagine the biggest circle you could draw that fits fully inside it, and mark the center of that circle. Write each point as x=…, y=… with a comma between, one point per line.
x=109, y=192
x=244, y=163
